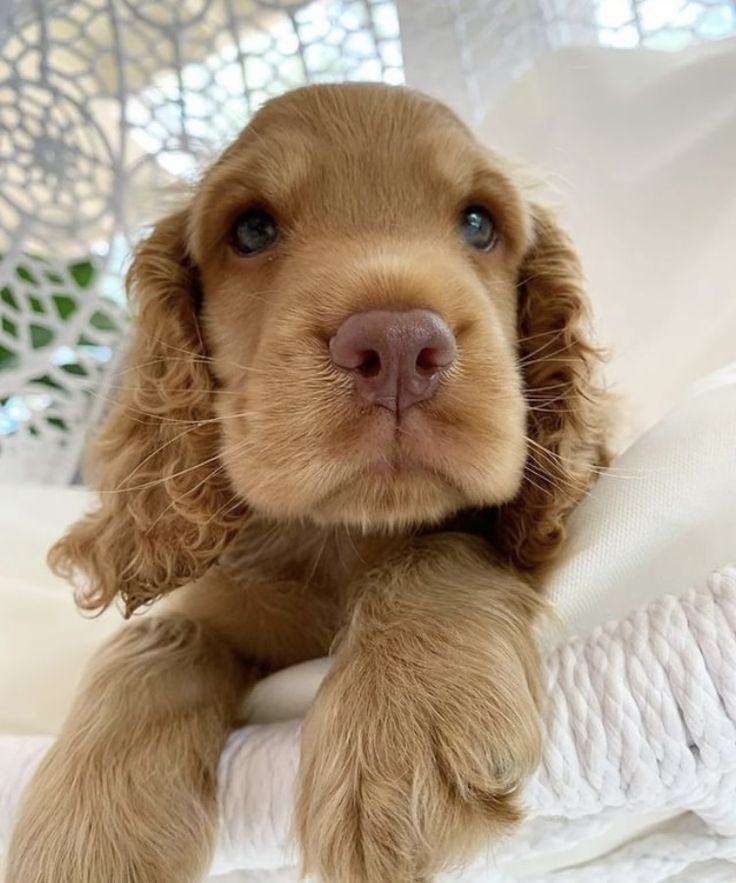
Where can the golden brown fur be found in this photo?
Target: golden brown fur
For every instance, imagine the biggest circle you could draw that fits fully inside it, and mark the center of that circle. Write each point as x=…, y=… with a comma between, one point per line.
x=239, y=469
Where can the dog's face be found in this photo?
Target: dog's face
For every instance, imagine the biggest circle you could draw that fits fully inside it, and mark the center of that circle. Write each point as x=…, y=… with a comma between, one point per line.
x=360, y=320
x=359, y=256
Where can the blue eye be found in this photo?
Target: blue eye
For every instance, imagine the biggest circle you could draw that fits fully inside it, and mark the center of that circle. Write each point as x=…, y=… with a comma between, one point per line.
x=254, y=231
x=477, y=227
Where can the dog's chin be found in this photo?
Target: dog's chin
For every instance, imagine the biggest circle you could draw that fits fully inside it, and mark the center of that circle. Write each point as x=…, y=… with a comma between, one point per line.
x=420, y=479
x=381, y=497
x=385, y=480
x=389, y=498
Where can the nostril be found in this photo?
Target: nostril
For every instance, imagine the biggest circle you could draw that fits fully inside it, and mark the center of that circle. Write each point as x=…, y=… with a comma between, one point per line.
x=432, y=359
x=370, y=364
x=428, y=362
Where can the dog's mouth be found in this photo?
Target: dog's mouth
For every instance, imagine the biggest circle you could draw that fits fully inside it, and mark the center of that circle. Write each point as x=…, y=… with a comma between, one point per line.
x=415, y=448
x=391, y=443
x=364, y=464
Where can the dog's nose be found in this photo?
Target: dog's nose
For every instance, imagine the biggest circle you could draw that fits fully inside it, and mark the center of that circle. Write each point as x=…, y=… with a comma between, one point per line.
x=395, y=357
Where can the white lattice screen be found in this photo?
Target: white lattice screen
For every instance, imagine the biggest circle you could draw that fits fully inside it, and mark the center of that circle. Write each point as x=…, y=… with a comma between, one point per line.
x=105, y=104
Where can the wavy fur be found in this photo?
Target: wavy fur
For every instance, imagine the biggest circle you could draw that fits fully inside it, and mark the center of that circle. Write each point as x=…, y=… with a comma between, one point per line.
x=166, y=510
x=567, y=419
x=241, y=476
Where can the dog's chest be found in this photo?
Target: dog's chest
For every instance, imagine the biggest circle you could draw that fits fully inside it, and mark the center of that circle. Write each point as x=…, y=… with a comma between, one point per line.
x=332, y=560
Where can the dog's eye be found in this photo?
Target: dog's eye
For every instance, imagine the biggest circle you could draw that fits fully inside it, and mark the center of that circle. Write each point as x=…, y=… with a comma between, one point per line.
x=254, y=231
x=477, y=227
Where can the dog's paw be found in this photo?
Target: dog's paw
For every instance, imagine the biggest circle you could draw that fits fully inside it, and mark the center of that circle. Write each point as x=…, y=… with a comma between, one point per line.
x=85, y=823
x=404, y=772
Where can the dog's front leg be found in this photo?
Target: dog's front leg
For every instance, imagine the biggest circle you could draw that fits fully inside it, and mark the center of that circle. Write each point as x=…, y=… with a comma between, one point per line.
x=427, y=725
x=128, y=793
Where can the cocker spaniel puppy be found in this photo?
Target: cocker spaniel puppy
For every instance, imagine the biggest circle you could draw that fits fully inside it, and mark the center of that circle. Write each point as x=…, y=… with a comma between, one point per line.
x=359, y=405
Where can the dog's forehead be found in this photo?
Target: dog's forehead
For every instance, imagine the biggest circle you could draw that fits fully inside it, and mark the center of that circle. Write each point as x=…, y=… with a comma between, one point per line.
x=353, y=110
x=329, y=132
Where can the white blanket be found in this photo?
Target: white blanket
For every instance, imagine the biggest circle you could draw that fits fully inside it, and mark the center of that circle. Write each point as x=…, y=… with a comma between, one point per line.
x=642, y=714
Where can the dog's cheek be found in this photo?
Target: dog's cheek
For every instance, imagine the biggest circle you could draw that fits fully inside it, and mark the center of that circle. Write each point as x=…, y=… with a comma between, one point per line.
x=234, y=311
x=487, y=418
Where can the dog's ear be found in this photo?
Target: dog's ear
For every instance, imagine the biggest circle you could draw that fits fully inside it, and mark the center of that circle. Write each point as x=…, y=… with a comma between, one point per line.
x=166, y=510
x=566, y=423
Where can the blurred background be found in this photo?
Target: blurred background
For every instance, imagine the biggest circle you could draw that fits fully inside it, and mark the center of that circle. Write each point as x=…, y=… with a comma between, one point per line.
x=625, y=110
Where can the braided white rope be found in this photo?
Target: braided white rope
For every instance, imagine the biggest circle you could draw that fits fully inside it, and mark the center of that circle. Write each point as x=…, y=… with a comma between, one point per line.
x=643, y=712
x=640, y=715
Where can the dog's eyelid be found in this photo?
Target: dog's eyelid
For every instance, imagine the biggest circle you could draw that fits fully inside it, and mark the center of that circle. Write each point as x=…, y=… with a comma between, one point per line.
x=241, y=207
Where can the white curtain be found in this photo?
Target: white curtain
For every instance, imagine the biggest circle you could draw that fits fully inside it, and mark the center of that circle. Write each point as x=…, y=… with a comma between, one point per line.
x=106, y=106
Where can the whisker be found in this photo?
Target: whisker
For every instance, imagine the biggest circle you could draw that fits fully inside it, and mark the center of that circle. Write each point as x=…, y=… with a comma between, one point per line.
x=544, y=346
x=527, y=279
x=150, y=457
x=198, y=360
x=167, y=389
x=159, y=341
x=164, y=478
x=552, y=331
x=355, y=548
x=178, y=499
x=543, y=410
x=546, y=400
x=544, y=490
x=199, y=484
x=614, y=471
x=317, y=558
x=557, y=481
x=228, y=507
x=559, y=360
x=174, y=420
x=566, y=384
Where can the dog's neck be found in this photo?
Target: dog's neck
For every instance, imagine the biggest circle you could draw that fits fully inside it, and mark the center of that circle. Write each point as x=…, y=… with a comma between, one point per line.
x=332, y=557
x=294, y=551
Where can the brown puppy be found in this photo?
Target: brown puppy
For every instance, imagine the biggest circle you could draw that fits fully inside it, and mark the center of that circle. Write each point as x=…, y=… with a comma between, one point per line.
x=359, y=330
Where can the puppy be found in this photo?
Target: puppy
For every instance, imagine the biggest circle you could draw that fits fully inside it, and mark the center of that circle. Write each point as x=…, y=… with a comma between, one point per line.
x=359, y=405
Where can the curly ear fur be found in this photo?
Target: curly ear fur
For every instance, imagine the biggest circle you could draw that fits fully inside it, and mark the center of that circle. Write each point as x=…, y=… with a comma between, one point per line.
x=166, y=509
x=566, y=423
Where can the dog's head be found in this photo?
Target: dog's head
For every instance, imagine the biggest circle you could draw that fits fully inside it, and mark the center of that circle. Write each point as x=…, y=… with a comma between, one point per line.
x=360, y=319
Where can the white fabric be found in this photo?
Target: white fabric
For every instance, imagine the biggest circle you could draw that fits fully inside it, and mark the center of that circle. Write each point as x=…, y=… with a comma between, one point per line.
x=641, y=715
x=640, y=147
x=44, y=641
x=611, y=782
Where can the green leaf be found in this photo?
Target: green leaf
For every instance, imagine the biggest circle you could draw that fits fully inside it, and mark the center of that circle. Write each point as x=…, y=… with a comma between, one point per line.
x=40, y=336
x=102, y=322
x=83, y=273
x=8, y=359
x=45, y=380
x=7, y=297
x=25, y=274
x=75, y=369
x=36, y=304
x=65, y=305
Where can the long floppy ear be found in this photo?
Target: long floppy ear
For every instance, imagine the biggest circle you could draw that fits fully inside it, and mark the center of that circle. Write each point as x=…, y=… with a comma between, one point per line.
x=566, y=424
x=166, y=510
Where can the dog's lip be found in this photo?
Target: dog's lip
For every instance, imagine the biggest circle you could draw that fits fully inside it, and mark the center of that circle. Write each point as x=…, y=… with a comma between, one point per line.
x=386, y=470
x=392, y=447
x=400, y=459
x=396, y=465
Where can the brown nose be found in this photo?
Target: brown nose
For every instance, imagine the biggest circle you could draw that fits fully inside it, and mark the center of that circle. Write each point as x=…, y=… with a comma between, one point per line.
x=396, y=358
